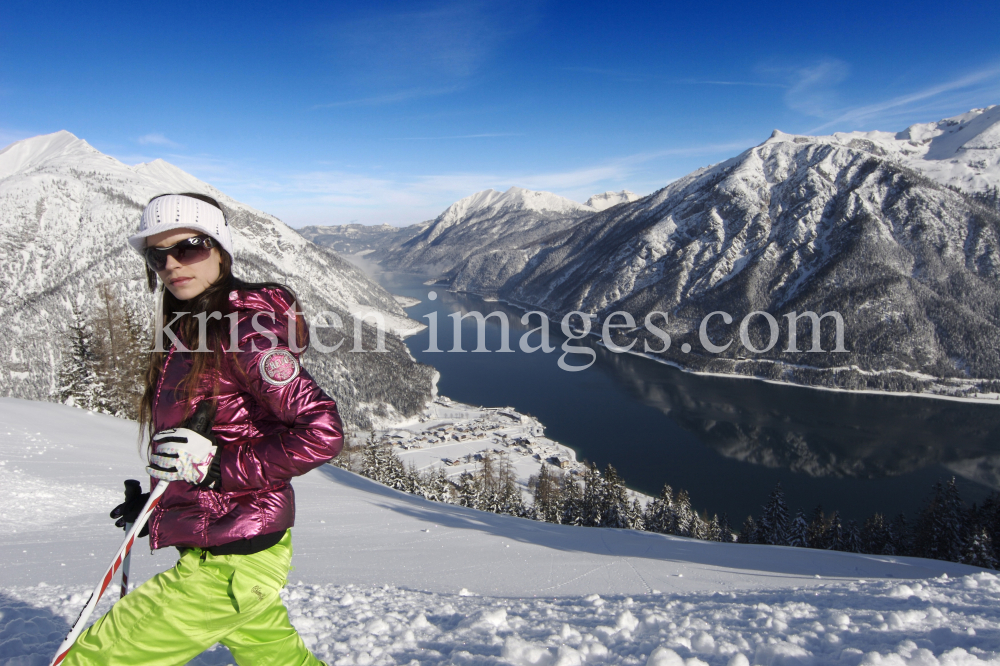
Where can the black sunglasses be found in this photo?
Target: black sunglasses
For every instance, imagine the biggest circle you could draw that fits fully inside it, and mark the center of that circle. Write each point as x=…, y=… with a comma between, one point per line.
x=188, y=251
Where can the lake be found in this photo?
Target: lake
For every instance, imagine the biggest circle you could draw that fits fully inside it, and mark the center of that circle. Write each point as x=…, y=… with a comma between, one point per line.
x=727, y=441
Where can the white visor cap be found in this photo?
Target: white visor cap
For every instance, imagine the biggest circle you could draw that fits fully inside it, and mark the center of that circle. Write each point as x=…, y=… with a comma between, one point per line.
x=176, y=211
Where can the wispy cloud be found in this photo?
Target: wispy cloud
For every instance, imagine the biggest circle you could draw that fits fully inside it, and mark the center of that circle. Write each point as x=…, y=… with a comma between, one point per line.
x=336, y=196
x=984, y=84
x=388, y=98
x=456, y=136
x=340, y=183
x=755, y=84
x=813, y=87
x=633, y=77
x=595, y=70
x=628, y=77
x=617, y=170
x=210, y=167
x=439, y=42
x=815, y=90
x=424, y=51
x=222, y=173
x=156, y=139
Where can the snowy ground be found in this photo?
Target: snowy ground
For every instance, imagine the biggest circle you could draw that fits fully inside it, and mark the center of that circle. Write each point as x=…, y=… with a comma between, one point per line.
x=382, y=577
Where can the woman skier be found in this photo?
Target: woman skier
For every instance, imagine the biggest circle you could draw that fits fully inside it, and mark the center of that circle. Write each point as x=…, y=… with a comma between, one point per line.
x=229, y=506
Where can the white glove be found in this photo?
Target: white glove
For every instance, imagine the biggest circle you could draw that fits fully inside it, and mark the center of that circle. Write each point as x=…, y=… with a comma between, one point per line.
x=180, y=454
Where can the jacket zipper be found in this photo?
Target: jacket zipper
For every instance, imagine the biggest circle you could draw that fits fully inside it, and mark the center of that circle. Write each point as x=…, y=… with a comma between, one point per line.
x=156, y=402
x=163, y=375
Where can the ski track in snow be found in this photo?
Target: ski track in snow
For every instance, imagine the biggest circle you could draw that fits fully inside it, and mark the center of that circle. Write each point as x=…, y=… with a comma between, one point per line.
x=28, y=503
x=946, y=621
x=387, y=578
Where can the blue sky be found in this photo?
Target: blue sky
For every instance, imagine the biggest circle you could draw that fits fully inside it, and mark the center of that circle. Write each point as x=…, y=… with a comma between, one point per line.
x=330, y=113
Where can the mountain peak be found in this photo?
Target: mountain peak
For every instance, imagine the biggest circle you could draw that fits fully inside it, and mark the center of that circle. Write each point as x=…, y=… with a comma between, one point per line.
x=515, y=197
x=44, y=150
x=539, y=201
x=777, y=136
x=469, y=204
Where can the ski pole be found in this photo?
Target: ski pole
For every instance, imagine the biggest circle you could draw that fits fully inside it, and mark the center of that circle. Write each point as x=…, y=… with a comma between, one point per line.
x=132, y=491
x=200, y=422
x=123, y=551
x=126, y=563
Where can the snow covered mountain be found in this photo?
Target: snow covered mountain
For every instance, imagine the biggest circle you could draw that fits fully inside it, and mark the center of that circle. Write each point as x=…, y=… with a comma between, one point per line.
x=382, y=577
x=963, y=151
x=485, y=220
x=869, y=225
x=65, y=211
x=604, y=201
x=361, y=238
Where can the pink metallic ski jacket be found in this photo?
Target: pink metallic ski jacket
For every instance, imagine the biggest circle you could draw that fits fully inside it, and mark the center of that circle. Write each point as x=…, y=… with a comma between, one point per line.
x=272, y=422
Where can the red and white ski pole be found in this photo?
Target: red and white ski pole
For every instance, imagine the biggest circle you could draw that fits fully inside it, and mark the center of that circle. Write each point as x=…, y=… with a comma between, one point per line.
x=123, y=552
x=132, y=492
x=200, y=422
x=126, y=563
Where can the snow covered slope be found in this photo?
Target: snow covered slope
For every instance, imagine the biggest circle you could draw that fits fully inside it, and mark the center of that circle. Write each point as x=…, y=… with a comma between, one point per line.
x=65, y=211
x=380, y=574
x=849, y=223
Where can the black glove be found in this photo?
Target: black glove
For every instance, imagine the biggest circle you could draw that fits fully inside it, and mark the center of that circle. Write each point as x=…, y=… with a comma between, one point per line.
x=128, y=511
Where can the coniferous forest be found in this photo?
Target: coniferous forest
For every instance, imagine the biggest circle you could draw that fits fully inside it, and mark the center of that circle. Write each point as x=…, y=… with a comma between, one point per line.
x=945, y=528
x=105, y=357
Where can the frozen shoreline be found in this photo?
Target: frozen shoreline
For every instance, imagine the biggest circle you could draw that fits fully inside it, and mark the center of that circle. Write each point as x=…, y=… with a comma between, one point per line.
x=994, y=398
x=454, y=436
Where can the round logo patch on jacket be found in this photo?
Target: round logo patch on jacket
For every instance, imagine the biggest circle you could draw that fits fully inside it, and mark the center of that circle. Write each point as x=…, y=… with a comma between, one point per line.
x=279, y=367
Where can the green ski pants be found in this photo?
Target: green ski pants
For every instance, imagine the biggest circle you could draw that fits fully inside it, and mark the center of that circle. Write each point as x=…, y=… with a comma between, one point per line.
x=205, y=599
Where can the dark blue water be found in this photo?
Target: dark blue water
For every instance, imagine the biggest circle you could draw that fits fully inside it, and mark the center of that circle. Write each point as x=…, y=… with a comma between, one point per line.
x=726, y=441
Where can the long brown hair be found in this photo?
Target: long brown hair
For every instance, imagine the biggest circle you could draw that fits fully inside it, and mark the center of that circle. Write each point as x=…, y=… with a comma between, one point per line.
x=205, y=366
